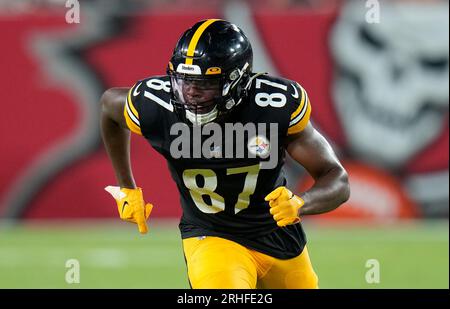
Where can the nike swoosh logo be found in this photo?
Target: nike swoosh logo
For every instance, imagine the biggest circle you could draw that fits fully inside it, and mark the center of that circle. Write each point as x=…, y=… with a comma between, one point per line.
x=295, y=95
x=123, y=206
x=135, y=92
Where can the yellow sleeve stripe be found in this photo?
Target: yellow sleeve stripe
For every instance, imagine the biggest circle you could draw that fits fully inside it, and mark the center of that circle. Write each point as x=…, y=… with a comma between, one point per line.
x=301, y=124
x=130, y=103
x=301, y=105
x=302, y=112
x=131, y=125
x=196, y=38
x=132, y=121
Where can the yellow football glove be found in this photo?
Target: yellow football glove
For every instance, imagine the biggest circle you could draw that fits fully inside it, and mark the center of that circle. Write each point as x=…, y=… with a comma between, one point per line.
x=284, y=206
x=131, y=206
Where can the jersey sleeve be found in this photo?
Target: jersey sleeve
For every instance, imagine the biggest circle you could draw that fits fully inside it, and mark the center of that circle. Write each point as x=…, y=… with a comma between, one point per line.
x=300, y=117
x=132, y=110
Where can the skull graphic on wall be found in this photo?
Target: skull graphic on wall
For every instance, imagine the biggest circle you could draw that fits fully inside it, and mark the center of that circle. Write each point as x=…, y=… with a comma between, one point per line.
x=391, y=85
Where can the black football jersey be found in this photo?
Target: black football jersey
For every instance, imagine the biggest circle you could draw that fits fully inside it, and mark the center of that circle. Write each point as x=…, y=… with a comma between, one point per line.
x=224, y=170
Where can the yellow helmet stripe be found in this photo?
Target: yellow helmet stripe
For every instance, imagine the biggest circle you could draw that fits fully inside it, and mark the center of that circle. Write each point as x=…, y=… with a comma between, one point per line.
x=196, y=38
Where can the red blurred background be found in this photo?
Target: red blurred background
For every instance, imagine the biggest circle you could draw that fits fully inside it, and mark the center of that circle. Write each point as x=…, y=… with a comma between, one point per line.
x=54, y=165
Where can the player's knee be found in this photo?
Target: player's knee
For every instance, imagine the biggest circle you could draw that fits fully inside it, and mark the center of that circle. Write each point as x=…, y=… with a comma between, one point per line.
x=302, y=280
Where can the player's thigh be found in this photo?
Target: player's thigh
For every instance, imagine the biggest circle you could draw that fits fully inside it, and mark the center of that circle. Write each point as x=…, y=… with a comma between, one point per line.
x=217, y=263
x=295, y=273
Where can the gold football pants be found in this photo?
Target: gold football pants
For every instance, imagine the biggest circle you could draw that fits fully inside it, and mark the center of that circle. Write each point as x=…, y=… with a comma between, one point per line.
x=218, y=263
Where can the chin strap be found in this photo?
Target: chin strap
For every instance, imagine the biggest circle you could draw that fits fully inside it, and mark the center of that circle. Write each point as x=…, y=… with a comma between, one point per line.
x=250, y=81
x=226, y=90
x=247, y=86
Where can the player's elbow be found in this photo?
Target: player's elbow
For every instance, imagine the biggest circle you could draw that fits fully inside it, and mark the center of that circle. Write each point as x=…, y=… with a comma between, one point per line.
x=107, y=100
x=344, y=186
x=112, y=104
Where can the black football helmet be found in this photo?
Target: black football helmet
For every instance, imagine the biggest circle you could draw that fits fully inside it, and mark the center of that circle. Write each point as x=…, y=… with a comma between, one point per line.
x=210, y=71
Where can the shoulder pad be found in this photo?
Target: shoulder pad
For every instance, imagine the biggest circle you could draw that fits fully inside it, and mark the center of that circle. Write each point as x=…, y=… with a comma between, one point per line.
x=145, y=101
x=284, y=95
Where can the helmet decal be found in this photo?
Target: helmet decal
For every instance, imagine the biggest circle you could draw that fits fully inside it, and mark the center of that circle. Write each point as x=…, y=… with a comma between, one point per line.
x=213, y=70
x=189, y=69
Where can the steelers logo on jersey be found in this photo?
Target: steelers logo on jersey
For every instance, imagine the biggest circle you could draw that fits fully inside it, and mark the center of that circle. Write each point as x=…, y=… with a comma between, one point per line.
x=259, y=146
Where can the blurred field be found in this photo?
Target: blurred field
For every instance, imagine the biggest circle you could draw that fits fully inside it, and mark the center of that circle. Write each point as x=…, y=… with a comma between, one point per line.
x=412, y=255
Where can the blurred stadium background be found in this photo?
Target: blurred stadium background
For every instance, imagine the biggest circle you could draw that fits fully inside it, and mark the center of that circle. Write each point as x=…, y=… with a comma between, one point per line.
x=379, y=93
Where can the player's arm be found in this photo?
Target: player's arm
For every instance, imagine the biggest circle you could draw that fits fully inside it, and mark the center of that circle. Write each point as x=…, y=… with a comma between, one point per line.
x=331, y=187
x=116, y=135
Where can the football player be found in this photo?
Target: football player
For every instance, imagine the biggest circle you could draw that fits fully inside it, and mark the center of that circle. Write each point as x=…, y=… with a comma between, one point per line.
x=240, y=226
